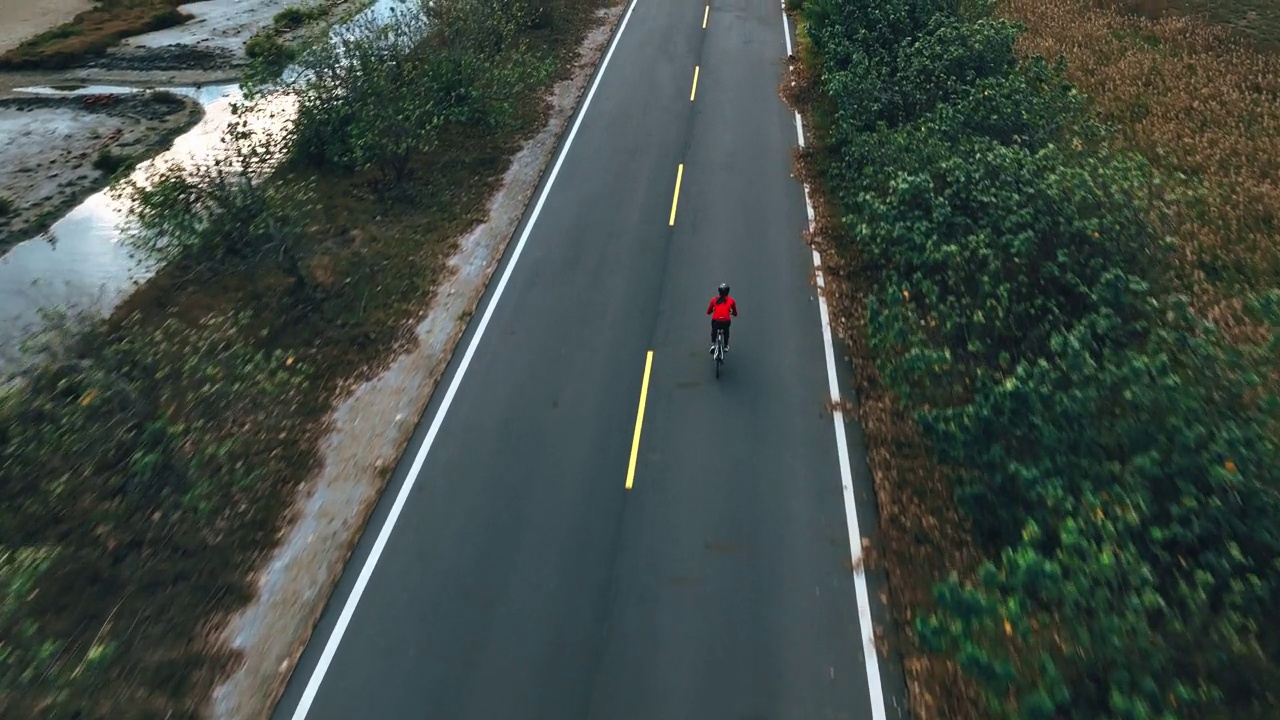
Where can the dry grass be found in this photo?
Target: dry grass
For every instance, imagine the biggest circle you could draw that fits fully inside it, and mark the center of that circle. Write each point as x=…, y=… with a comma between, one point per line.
x=1196, y=99
x=92, y=32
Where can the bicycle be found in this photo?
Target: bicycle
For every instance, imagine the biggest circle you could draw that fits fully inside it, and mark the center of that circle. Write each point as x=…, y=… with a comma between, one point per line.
x=718, y=353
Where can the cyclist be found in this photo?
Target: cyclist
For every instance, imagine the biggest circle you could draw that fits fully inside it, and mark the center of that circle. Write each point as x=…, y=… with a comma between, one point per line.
x=721, y=309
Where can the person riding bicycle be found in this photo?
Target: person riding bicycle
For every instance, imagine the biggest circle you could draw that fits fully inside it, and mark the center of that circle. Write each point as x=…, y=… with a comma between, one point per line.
x=721, y=309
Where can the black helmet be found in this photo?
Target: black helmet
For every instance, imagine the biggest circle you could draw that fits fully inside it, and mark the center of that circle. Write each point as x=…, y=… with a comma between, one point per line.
x=724, y=289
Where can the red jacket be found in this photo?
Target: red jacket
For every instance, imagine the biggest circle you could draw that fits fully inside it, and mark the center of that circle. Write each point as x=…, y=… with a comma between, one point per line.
x=722, y=310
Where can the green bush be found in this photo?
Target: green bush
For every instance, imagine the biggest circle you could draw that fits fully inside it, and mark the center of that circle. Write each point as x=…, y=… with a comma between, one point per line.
x=269, y=53
x=944, y=63
x=225, y=215
x=296, y=16
x=166, y=97
x=1152, y=552
x=289, y=17
x=372, y=103
x=384, y=93
x=995, y=248
x=1116, y=457
x=110, y=163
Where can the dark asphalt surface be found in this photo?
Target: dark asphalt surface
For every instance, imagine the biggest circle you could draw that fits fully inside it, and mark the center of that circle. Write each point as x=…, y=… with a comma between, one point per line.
x=522, y=580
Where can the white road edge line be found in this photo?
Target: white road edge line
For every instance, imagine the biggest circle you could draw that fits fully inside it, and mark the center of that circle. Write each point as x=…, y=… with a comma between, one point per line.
x=786, y=29
x=348, y=610
x=869, y=651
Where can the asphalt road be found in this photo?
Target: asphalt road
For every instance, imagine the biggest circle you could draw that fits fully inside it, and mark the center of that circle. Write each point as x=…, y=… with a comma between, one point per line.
x=516, y=576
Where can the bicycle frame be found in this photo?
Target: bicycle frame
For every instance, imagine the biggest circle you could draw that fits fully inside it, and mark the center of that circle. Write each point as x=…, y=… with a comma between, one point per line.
x=719, y=353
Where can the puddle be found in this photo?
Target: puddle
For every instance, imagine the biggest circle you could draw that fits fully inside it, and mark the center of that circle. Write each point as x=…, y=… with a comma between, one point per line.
x=77, y=90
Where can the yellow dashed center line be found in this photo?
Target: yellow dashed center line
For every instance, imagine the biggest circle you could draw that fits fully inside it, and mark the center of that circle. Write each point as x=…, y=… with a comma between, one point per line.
x=675, y=199
x=635, y=439
x=705, y=13
x=694, y=91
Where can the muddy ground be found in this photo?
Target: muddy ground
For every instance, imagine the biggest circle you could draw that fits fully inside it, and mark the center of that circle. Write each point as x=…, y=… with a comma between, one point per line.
x=59, y=150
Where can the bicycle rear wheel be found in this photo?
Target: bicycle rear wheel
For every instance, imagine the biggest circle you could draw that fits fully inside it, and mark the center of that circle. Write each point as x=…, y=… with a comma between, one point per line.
x=719, y=355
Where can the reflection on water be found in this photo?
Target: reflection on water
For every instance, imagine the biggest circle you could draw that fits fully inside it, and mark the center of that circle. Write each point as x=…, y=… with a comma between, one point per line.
x=81, y=263
x=85, y=269
x=65, y=90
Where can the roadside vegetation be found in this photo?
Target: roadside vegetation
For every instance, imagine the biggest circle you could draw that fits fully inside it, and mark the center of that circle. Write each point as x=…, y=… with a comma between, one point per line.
x=1062, y=305
x=92, y=33
x=147, y=464
x=272, y=48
